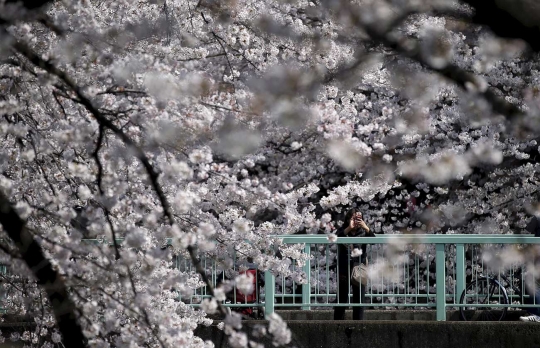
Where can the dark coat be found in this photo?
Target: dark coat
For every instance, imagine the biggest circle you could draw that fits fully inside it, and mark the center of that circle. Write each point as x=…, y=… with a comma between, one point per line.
x=534, y=226
x=344, y=251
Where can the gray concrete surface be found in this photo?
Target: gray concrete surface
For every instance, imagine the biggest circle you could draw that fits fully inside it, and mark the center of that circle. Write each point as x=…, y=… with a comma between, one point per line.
x=397, y=334
x=404, y=314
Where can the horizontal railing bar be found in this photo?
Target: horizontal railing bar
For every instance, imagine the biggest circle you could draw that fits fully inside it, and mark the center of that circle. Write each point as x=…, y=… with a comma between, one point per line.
x=509, y=296
x=232, y=304
x=415, y=239
x=298, y=304
x=493, y=305
x=367, y=295
x=389, y=238
x=449, y=305
x=354, y=305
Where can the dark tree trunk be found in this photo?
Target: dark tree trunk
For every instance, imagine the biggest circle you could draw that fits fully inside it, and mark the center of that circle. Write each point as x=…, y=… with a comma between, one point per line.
x=32, y=254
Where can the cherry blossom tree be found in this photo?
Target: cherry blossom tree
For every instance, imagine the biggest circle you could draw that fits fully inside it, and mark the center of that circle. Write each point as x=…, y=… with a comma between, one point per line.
x=203, y=128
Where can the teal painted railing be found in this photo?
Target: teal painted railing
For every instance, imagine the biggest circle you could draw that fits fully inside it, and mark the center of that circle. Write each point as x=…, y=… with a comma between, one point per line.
x=441, y=243
x=320, y=293
x=452, y=260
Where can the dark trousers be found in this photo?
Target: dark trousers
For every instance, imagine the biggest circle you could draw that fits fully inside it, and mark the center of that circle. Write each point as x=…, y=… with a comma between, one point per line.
x=358, y=296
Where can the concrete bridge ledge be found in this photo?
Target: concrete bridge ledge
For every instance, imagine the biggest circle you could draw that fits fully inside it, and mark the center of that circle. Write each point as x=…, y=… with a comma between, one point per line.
x=397, y=334
x=415, y=315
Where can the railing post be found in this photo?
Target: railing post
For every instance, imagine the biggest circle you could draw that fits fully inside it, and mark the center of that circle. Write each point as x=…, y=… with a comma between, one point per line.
x=306, y=288
x=460, y=271
x=441, y=281
x=269, y=293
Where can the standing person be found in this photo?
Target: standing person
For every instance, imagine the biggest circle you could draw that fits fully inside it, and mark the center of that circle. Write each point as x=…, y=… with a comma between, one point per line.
x=532, y=278
x=354, y=226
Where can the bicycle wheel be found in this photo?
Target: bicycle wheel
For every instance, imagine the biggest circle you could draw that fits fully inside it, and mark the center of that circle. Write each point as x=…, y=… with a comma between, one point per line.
x=484, y=291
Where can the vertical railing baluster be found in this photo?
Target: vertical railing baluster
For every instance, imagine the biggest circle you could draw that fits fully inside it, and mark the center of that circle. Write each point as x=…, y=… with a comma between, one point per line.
x=417, y=269
x=327, y=252
x=440, y=281
x=306, y=288
x=269, y=293
x=293, y=283
x=460, y=271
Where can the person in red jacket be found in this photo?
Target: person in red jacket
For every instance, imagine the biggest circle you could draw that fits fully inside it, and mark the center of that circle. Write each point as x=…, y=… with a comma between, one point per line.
x=247, y=298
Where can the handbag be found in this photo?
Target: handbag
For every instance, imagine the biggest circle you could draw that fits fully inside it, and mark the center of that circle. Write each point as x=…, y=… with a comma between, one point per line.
x=359, y=275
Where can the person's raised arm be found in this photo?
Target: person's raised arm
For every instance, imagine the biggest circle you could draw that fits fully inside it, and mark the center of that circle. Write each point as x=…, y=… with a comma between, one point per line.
x=360, y=223
x=352, y=226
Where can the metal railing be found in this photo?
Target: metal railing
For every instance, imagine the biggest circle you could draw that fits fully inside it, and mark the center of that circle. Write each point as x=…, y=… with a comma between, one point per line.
x=413, y=280
x=409, y=276
x=443, y=297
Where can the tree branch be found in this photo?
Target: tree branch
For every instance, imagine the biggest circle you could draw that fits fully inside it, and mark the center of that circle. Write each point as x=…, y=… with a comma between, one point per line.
x=139, y=153
x=32, y=254
x=502, y=23
x=454, y=73
x=102, y=120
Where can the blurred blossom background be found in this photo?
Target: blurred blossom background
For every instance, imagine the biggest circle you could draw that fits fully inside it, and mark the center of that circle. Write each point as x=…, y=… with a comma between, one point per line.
x=217, y=125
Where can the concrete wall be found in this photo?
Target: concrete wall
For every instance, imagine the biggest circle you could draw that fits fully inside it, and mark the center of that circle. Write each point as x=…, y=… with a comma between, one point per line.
x=405, y=314
x=398, y=334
